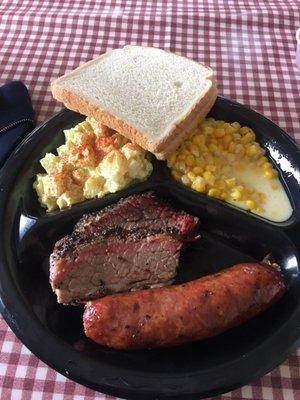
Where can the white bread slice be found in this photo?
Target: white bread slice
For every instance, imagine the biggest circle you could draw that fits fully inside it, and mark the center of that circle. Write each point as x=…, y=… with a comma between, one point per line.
x=149, y=95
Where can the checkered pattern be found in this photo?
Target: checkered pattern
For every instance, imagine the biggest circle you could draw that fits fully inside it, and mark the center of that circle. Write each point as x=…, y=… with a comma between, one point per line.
x=250, y=44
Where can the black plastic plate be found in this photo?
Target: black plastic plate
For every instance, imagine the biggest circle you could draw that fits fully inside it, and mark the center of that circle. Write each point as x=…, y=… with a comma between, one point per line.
x=54, y=332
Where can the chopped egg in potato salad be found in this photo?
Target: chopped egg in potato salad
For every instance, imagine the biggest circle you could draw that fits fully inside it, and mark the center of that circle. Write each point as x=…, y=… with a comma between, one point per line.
x=93, y=161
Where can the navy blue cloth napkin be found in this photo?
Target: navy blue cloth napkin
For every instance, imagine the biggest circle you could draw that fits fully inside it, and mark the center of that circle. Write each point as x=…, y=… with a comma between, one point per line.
x=16, y=117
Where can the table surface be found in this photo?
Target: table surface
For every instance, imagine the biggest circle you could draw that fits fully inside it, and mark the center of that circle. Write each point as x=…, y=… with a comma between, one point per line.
x=251, y=46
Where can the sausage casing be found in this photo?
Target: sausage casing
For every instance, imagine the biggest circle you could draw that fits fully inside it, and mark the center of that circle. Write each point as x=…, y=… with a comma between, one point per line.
x=188, y=312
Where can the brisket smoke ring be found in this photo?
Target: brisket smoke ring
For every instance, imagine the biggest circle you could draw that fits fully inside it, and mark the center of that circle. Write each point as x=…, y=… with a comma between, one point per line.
x=131, y=245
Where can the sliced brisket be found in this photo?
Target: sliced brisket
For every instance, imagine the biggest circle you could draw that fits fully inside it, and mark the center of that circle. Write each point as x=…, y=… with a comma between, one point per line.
x=131, y=245
x=142, y=212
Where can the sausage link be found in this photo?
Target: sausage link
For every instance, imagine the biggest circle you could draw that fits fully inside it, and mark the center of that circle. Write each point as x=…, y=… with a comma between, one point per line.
x=188, y=312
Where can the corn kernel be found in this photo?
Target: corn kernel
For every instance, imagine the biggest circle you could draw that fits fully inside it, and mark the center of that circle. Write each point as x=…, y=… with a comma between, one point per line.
x=191, y=176
x=244, y=130
x=213, y=192
x=185, y=180
x=221, y=184
x=227, y=140
x=258, y=210
x=196, y=140
x=239, y=150
x=188, y=146
x=200, y=162
x=262, y=196
x=209, y=178
x=219, y=132
x=250, y=204
x=224, y=196
x=236, y=126
x=214, y=142
x=267, y=165
x=198, y=185
x=236, y=195
x=198, y=170
x=252, y=150
x=202, y=139
x=270, y=173
x=195, y=151
x=181, y=166
x=262, y=160
x=231, y=147
x=181, y=157
x=208, y=130
x=211, y=168
x=236, y=137
x=205, y=124
x=248, y=138
x=207, y=175
x=185, y=152
x=203, y=148
x=205, y=155
x=231, y=158
x=229, y=130
x=213, y=148
x=189, y=160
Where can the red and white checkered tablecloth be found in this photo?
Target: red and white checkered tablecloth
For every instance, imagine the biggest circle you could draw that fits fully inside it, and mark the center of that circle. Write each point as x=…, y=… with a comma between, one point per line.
x=250, y=44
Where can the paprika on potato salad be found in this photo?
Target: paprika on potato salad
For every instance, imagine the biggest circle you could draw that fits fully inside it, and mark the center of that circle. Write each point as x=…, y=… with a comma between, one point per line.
x=93, y=161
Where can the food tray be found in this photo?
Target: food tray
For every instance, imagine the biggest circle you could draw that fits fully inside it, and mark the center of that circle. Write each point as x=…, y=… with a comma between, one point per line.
x=228, y=235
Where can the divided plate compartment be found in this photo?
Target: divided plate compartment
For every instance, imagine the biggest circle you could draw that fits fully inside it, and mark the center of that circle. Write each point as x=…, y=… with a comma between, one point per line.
x=228, y=236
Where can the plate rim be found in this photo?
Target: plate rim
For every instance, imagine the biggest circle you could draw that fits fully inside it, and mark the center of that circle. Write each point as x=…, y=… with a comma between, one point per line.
x=10, y=308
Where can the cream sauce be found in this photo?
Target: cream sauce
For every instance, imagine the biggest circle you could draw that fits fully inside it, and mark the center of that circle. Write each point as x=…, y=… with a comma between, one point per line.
x=276, y=206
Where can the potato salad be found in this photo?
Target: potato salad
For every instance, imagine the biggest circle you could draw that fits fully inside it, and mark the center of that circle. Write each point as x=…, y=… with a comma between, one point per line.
x=93, y=161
